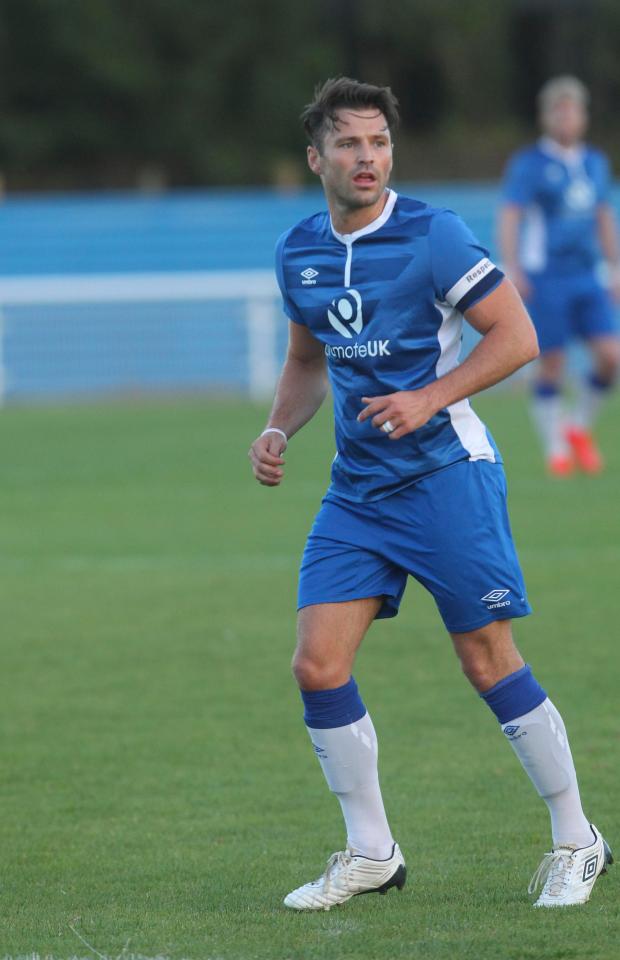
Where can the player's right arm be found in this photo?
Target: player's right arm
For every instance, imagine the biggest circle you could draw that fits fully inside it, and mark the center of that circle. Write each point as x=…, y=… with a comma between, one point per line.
x=300, y=392
x=517, y=190
x=508, y=231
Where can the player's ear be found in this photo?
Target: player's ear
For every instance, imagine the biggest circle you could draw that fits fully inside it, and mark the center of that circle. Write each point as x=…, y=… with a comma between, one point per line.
x=314, y=160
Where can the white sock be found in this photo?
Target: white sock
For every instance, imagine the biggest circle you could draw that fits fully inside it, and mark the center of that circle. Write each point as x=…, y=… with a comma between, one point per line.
x=548, y=415
x=348, y=756
x=590, y=395
x=539, y=740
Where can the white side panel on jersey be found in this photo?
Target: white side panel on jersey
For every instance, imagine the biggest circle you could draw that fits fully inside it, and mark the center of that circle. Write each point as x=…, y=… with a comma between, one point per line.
x=533, y=243
x=467, y=425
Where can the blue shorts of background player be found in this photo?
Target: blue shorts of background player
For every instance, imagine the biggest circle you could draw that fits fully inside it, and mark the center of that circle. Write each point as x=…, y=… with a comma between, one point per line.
x=449, y=530
x=568, y=306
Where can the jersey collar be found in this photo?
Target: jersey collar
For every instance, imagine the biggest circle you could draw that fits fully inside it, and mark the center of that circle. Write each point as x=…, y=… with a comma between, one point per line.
x=375, y=224
x=571, y=156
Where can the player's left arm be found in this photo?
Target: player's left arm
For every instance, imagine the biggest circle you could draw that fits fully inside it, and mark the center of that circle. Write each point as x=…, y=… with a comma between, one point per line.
x=610, y=245
x=508, y=343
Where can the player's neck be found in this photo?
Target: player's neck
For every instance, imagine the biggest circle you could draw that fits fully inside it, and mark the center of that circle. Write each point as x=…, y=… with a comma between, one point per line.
x=346, y=220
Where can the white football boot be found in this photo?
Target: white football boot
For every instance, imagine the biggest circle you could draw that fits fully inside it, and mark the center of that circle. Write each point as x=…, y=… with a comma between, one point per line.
x=347, y=875
x=568, y=873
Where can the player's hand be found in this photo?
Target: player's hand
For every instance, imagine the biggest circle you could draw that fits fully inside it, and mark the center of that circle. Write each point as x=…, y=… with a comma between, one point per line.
x=405, y=410
x=266, y=457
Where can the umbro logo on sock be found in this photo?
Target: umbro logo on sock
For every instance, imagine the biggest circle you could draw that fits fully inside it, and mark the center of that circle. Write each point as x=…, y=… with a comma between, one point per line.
x=511, y=730
x=320, y=751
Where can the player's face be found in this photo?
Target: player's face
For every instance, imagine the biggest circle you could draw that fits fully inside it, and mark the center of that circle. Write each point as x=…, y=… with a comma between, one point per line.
x=566, y=121
x=355, y=160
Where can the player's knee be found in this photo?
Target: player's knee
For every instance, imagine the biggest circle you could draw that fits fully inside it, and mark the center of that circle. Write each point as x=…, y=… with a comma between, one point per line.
x=479, y=655
x=312, y=674
x=551, y=368
x=478, y=671
x=609, y=361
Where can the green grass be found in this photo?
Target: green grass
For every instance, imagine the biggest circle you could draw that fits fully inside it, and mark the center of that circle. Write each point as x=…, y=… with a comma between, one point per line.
x=158, y=793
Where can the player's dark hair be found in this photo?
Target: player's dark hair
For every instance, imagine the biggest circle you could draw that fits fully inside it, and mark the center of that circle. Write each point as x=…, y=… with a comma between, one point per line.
x=343, y=92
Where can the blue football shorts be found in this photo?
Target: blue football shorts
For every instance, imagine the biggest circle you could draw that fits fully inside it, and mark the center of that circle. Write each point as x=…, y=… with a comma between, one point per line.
x=566, y=307
x=449, y=530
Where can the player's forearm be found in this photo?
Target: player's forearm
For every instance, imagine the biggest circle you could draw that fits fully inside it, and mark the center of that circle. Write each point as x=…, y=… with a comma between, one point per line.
x=301, y=389
x=608, y=237
x=501, y=352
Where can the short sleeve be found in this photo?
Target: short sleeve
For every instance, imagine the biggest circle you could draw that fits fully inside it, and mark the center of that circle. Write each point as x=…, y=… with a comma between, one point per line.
x=518, y=184
x=462, y=272
x=287, y=303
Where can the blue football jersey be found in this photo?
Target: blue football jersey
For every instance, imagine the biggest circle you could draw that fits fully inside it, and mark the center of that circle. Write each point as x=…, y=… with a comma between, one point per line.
x=387, y=302
x=560, y=190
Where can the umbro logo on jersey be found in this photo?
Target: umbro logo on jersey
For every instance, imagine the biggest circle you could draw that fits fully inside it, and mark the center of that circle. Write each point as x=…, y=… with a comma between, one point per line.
x=495, y=598
x=308, y=275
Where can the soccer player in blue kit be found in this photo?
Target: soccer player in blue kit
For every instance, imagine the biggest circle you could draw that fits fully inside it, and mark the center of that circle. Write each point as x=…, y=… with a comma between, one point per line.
x=376, y=290
x=555, y=221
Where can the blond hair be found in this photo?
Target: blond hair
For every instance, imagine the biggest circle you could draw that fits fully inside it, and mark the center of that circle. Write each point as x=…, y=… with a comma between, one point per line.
x=559, y=87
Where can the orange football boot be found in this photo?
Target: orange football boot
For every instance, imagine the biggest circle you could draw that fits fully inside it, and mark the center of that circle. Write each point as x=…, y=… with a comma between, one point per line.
x=560, y=465
x=585, y=450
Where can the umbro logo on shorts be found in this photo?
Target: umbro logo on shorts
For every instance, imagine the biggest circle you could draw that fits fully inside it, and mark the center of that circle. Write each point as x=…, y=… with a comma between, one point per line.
x=496, y=599
x=589, y=868
x=494, y=595
x=511, y=729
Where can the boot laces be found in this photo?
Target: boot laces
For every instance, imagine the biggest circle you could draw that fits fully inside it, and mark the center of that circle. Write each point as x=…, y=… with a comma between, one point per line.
x=335, y=864
x=553, y=873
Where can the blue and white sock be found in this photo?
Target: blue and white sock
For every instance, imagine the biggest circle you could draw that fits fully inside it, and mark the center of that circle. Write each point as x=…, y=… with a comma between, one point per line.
x=549, y=418
x=537, y=734
x=345, y=743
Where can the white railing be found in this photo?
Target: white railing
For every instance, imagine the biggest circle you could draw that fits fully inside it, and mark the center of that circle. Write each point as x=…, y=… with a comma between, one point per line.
x=257, y=289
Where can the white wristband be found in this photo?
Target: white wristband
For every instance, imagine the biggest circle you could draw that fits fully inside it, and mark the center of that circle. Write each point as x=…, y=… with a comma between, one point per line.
x=275, y=430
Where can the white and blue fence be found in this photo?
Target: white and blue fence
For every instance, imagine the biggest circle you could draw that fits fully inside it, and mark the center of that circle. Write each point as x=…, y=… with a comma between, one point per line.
x=123, y=293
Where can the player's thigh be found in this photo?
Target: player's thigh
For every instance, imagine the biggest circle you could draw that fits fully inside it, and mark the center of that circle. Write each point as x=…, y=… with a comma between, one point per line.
x=343, y=587
x=328, y=637
x=488, y=654
x=463, y=551
x=594, y=316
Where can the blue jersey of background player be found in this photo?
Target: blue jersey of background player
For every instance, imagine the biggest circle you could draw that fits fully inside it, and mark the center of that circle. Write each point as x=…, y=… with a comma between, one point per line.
x=375, y=291
x=555, y=223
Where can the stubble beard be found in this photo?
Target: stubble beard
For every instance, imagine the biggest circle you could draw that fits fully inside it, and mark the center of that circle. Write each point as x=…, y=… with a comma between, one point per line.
x=352, y=200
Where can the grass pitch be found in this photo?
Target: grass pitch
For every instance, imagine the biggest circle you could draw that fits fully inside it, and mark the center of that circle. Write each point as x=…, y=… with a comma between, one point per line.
x=158, y=792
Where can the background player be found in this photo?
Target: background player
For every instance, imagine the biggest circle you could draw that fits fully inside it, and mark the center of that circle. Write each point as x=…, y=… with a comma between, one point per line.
x=554, y=222
x=378, y=286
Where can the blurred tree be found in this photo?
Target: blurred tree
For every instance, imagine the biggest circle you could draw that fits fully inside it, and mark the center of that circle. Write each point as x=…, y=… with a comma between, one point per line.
x=115, y=92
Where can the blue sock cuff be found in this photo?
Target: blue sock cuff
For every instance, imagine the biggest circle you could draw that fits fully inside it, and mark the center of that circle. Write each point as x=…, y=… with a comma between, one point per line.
x=515, y=695
x=545, y=390
x=597, y=383
x=332, y=708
